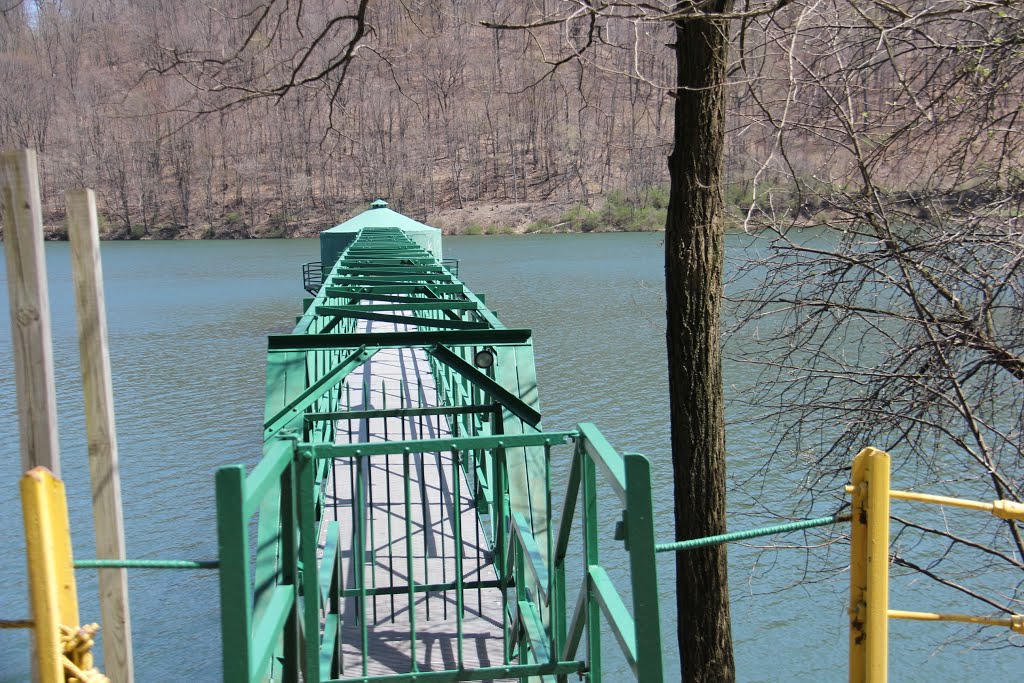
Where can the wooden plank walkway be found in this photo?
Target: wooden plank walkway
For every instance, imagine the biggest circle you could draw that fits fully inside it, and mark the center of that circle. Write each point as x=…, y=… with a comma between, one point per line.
x=396, y=378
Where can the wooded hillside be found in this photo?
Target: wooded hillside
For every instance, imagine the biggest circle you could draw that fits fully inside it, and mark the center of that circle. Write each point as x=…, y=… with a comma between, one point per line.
x=435, y=112
x=241, y=118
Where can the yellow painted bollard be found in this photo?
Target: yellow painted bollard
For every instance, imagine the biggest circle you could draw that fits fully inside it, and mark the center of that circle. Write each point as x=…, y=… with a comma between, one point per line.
x=62, y=648
x=869, y=568
x=51, y=576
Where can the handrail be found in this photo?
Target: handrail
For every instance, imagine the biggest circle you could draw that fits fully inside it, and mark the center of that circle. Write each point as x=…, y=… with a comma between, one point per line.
x=253, y=622
x=267, y=630
x=312, y=276
x=267, y=474
x=605, y=457
x=638, y=635
x=532, y=558
x=869, y=611
x=452, y=264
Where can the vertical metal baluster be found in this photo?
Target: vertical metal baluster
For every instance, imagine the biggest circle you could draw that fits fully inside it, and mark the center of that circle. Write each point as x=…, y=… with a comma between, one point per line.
x=352, y=485
x=453, y=424
x=334, y=486
x=349, y=464
x=591, y=557
x=552, y=647
x=387, y=517
x=361, y=560
x=373, y=535
x=421, y=466
x=440, y=528
x=457, y=530
x=498, y=514
x=409, y=559
x=420, y=470
x=348, y=408
x=404, y=403
x=366, y=405
x=480, y=554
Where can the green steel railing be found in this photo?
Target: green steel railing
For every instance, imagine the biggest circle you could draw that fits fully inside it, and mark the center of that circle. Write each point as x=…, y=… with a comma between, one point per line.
x=291, y=595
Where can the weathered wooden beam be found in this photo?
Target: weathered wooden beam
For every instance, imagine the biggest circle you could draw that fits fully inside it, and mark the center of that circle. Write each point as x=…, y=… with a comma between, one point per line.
x=87, y=271
x=30, y=311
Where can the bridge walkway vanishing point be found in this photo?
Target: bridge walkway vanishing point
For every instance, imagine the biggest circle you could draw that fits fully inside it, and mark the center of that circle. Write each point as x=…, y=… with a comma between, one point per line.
x=401, y=514
x=409, y=531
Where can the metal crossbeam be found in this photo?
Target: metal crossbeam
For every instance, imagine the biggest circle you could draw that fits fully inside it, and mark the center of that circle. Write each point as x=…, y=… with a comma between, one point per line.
x=384, y=340
x=418, y=321
x=499, y=393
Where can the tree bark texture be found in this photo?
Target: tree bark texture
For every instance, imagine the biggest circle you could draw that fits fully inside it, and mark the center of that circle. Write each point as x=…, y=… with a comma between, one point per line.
x=694, y=250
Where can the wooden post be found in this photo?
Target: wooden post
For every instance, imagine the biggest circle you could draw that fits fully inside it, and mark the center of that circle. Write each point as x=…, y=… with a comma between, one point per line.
x=83, y=231
x=30, y=311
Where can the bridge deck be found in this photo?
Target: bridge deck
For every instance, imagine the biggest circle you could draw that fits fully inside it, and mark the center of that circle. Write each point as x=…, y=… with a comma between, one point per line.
x=396, y=378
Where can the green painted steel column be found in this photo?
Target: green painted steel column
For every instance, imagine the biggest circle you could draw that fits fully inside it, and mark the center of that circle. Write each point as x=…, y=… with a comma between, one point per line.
x=643, y=568
x=233, y=550
x=591, y=558
x=499, y=517
x=310, y=577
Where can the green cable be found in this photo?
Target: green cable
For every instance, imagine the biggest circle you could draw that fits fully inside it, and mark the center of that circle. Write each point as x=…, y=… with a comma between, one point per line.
x=146, y=564
x=749, y=533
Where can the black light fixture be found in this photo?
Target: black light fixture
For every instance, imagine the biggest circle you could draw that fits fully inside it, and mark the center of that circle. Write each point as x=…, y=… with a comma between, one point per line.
x=484, y=358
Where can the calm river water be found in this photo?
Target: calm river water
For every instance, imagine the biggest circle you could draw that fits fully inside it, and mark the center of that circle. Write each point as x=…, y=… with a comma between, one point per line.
x=188, y=322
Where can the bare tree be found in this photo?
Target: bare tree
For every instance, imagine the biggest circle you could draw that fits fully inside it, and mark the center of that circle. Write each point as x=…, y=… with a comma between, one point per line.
x=694, y=255
x=901, y=324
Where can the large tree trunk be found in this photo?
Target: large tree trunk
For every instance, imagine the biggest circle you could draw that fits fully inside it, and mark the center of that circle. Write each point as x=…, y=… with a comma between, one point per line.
x=694, y=249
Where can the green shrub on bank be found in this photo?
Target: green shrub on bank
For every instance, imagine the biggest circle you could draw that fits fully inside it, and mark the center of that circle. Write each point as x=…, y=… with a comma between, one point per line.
x=539, y=225
x=643, y=213
x=582, y=218
x=488, y=229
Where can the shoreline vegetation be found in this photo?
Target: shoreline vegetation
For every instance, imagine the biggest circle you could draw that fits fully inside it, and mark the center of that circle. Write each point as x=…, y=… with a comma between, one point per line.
x=614, y=212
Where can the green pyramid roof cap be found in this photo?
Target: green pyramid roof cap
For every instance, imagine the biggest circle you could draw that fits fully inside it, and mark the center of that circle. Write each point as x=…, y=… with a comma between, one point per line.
x=380, y=216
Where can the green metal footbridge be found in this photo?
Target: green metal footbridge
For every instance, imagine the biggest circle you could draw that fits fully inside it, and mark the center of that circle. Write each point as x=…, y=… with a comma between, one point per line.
x=402, y=523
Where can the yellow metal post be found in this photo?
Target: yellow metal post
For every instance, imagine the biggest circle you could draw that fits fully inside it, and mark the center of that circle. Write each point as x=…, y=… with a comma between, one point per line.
x=869, y=568
x=858, y=569
x=50, y=570
x=878, y=566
